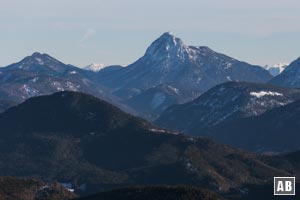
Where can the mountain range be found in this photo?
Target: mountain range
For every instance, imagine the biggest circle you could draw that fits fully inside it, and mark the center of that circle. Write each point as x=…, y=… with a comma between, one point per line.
x=75, y=138
x=169, y=73
x=79, y=127
x=188, y=70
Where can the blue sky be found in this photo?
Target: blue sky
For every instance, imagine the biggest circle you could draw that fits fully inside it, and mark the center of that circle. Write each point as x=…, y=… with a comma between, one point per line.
x=119, y=31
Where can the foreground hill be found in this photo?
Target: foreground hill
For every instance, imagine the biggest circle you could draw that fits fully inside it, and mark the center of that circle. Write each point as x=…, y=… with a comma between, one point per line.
x=31, y=189
x=189, y=70
x=156, y=193
x=224, y=103
x=78, y=139
x=5, y=104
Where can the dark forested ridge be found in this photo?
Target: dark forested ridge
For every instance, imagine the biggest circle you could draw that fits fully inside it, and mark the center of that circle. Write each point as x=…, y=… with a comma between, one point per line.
x=32, y=189
x=156, y=193
x=76, y=138
x=5, y=104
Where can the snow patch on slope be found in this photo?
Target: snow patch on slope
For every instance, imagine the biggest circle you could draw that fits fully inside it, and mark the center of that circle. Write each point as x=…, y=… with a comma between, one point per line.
x=29, y=91
x=40, y=61
x=73, y=72
x=265, y=93
x=176, y=90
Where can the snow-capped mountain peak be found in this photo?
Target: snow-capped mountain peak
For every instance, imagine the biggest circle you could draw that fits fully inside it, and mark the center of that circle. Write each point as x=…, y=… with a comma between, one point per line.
x=277, y=68
x=95, y=67
x=40, y=63
x=167, y=46
x=169, y=51
x=41, y=58
x=36, y=60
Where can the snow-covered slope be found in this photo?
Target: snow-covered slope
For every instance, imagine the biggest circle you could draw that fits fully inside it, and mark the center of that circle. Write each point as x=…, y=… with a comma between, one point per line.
x=275, y=131
x=224, y=103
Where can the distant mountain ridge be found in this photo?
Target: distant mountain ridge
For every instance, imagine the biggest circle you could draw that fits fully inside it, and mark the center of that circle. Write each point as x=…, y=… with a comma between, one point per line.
x=40, y=63
x=41, y=74
x=167, y=63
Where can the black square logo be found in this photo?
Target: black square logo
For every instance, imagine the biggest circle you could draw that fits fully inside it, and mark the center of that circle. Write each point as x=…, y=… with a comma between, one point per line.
x=284, y=186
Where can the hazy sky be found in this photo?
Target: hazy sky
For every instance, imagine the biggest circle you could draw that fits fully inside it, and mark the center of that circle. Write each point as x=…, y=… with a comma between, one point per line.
x=119, y=31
